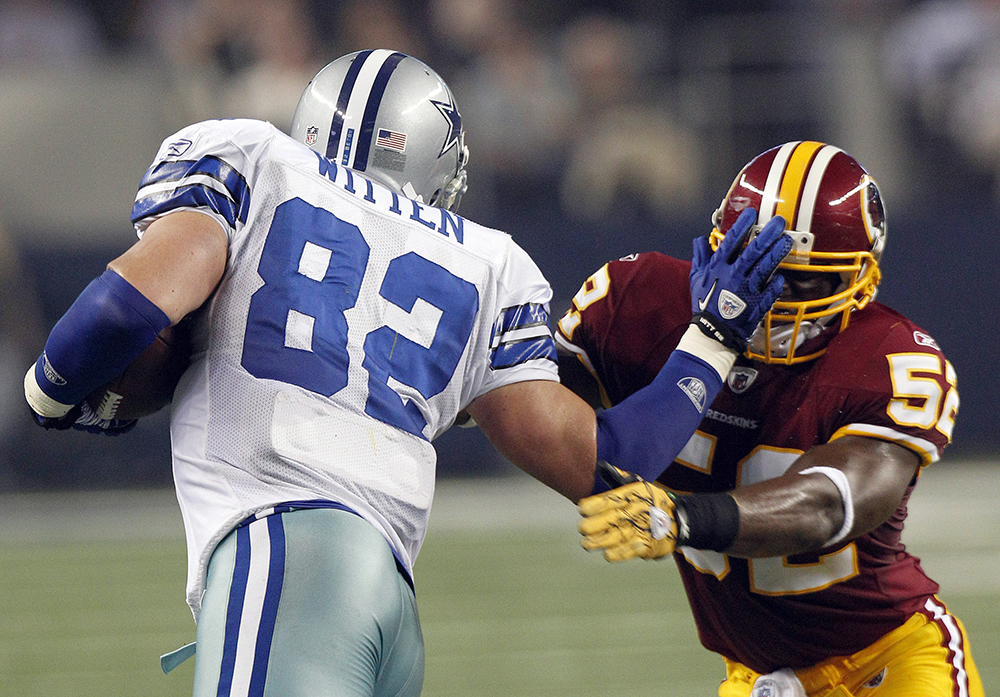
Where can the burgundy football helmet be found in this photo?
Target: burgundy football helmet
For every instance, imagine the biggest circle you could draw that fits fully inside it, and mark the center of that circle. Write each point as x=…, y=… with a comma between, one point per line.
x=834, y=214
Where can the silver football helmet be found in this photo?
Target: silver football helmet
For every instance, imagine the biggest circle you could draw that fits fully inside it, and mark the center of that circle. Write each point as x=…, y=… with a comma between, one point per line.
x=391, y=117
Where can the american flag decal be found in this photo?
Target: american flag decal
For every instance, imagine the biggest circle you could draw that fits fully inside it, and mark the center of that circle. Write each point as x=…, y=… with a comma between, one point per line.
x=390, y=139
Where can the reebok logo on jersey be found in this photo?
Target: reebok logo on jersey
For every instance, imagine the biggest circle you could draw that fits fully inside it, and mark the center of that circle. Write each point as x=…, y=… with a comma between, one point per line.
x=178, y=147
x=702, y=304
x=695, y=390
x=730, y=305
x=925, y=340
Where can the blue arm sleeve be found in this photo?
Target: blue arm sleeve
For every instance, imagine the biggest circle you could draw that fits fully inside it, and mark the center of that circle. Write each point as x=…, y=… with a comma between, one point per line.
x=644, y=433
x=102, y=332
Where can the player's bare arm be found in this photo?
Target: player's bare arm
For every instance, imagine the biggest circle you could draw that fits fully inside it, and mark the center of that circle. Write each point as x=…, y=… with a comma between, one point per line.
x=544, y=429
x=833, y=493
x=177, y=263
x=797, y=513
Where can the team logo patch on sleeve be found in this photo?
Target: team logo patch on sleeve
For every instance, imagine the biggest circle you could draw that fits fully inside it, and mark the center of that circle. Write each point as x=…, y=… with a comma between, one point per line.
x=695, y=390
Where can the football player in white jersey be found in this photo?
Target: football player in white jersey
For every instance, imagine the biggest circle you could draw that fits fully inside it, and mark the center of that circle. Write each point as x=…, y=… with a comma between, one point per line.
x=343, y=316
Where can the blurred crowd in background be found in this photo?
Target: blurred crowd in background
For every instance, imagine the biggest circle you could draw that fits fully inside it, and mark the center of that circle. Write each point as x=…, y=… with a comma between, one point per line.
x=596, y=128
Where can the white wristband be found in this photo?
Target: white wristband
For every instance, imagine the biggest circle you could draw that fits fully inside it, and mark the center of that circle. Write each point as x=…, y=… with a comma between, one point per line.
x=41, y=403
x=839, y=480
x=709, y=350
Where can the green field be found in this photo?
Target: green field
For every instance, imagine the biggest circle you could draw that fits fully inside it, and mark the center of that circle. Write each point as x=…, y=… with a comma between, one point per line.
x=508, y=607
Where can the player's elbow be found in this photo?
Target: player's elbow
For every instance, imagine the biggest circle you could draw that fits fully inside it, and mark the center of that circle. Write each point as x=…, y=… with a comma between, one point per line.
x=826, y=519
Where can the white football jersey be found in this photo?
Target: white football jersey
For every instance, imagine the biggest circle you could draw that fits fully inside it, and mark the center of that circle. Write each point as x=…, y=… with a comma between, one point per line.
x=350, y=328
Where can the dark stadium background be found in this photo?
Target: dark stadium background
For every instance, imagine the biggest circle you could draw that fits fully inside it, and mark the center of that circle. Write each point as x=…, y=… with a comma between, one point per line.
x=653, y=105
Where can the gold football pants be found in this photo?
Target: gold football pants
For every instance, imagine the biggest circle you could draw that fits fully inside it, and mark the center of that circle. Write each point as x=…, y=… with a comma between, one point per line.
x=928, y=656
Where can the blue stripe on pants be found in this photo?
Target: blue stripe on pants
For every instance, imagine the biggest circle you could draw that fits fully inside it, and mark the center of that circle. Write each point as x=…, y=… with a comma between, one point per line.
x=253, y=598
x=269, y=611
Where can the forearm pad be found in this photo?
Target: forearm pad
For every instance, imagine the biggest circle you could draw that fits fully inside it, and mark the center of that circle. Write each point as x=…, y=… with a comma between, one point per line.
x=102, y=332
x=645, y=432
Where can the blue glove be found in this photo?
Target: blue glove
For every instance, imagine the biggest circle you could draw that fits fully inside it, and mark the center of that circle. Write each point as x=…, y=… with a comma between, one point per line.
x=83, y=418
x=732, y=290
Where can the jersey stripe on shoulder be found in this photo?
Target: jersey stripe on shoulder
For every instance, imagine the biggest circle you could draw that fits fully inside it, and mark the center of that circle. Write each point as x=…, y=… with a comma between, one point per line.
x=208, y=182
x=521, y=334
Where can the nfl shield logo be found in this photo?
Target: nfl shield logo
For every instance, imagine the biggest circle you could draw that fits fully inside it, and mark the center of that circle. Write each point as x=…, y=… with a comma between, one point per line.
x=312, y=135
x=740, y=378
x=730, y=305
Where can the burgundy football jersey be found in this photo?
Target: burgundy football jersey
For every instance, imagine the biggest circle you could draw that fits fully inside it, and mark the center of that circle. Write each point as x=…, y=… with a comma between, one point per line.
x=881, y=377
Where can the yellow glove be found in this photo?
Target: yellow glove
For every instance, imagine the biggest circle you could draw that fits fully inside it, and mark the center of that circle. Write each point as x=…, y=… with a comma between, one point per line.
x=634, y=520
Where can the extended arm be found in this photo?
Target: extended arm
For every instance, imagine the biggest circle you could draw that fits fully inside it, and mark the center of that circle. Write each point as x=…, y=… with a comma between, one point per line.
x=731, y=290
x=169, y=272
x=544, y=429
x=834, y=492
x=554, y=435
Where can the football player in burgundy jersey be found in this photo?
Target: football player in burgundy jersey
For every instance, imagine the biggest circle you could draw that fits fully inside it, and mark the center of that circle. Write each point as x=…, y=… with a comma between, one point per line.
x=819, y=437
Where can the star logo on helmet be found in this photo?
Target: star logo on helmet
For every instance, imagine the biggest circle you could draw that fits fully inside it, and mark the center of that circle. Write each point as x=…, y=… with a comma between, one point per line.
x=450, y=113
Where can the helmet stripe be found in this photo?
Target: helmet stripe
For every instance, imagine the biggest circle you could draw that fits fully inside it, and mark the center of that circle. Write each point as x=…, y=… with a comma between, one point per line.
x=810, y=191
x=792, y=181
x=769, y=199
x=333, y=144
x=367, y=130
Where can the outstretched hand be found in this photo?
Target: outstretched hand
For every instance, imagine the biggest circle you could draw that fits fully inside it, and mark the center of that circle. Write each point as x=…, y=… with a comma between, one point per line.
x=732, y=290
x=634, y=520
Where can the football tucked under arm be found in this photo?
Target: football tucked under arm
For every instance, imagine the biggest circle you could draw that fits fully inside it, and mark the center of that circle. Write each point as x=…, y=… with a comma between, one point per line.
x=147, y=385
x=98, y=338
